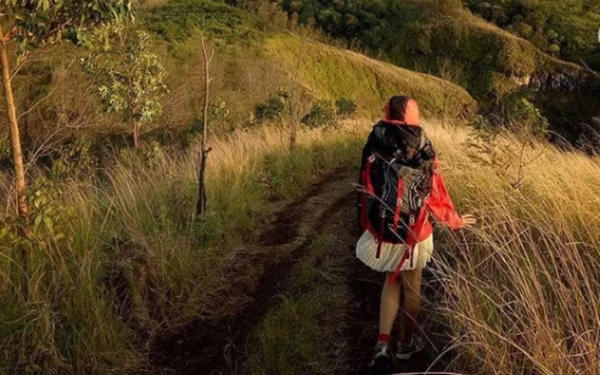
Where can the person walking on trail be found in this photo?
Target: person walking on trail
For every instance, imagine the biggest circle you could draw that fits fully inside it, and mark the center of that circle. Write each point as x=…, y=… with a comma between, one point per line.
x=400, y=188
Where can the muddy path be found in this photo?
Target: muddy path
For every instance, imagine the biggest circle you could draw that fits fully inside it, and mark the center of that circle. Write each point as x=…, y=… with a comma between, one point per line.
x=221, y=343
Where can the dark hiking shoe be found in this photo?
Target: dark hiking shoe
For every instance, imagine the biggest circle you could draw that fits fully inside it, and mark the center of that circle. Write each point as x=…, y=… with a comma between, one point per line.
x=383, y=361
x=405, y=351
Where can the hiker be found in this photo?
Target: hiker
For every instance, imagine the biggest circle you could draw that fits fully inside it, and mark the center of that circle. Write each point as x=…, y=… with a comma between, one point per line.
x=400, y=188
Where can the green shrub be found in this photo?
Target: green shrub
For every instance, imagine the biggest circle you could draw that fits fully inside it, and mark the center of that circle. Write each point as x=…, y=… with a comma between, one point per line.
x=321, y=114
x=75, y=161
x=521, y=29
x=273, y=108
x=345, y=107
x=554, y=49
x=525, y=119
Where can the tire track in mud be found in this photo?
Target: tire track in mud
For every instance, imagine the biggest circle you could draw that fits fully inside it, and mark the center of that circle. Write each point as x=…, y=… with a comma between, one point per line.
x=218, y=344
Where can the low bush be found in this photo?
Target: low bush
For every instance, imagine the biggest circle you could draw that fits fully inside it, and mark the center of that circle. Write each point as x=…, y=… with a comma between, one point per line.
x=321, y=114
x=345, y=107
x=273, y=108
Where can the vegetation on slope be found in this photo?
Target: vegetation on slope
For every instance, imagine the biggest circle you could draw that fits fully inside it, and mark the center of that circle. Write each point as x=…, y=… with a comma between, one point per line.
x=445, y=39
x=329, y=73
x=421, y=34
x=522, y=288
x=118, y=261
x=117, y=258
x=567, y=29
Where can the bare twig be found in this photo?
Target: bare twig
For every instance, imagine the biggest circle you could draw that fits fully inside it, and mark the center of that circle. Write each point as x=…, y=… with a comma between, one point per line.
x=589, y=69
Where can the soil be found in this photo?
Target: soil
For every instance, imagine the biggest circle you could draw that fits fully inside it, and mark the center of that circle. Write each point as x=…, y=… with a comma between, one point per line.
x=219, y=343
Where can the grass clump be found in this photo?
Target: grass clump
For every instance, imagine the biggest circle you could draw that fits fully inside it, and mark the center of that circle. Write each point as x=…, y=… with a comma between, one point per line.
x=295, y=337
x=274, y=108
x=345, y=107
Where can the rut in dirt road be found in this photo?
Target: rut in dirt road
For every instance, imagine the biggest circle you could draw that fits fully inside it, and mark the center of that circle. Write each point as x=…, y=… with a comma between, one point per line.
x=219, y=345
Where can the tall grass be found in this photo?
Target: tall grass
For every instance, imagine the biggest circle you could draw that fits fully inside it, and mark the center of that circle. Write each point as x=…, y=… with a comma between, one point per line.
x=134, y=261
x=522, y=287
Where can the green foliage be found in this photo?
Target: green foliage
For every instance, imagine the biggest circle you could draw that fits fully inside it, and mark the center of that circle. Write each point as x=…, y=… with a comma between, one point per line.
x=485, y=145
x=130, y=76
x=345, y=107
x=218, y=113
x=321, y=114
x=521, y=29
x=563, y=28
x=75, y=161
x=273, y=108
x=48, y=219
x=36, y=22
x=554, y=49
x=177, y=20
x=525, y=118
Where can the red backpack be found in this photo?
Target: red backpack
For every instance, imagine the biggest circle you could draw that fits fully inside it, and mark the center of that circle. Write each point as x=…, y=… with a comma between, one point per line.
x=395, y=182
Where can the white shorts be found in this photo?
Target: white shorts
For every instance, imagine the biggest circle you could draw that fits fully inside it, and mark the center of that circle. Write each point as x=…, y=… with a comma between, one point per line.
x=391, y=254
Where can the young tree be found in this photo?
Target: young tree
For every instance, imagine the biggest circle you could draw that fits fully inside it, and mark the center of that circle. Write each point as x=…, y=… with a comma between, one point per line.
x=131, y=78
x=28, y=24
x=204, y=148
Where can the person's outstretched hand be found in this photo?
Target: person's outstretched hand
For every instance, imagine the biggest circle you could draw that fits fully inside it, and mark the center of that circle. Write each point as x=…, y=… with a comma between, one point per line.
x=468, y=221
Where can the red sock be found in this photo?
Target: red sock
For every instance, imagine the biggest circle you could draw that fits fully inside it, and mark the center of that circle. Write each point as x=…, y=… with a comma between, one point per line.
x=383, y=338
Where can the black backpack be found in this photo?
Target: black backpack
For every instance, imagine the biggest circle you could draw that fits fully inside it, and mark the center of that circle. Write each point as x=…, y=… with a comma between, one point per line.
x=396, y=179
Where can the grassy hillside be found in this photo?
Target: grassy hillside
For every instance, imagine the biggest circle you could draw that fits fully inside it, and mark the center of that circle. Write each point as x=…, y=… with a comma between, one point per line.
x=329, y=73
x=445, y=39
x=247, y=71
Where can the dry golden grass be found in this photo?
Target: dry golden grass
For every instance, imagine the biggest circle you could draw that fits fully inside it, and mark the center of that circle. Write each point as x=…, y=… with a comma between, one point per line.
x=136, y=259
x=523, y=286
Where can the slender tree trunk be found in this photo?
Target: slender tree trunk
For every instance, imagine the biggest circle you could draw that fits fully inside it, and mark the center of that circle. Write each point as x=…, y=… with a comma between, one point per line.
x=204, y=149
x=14, y=133
x=135, y=134
x=293, y=132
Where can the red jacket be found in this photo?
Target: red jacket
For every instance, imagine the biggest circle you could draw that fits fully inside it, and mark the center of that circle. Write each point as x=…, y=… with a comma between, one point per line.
x=440, y=206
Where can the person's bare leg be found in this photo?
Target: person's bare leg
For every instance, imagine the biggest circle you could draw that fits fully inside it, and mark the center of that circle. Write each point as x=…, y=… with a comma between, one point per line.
x=389, y=305
x=412, y=304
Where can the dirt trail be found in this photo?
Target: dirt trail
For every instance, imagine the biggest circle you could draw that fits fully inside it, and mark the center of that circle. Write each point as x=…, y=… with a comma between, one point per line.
x=220, y=344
